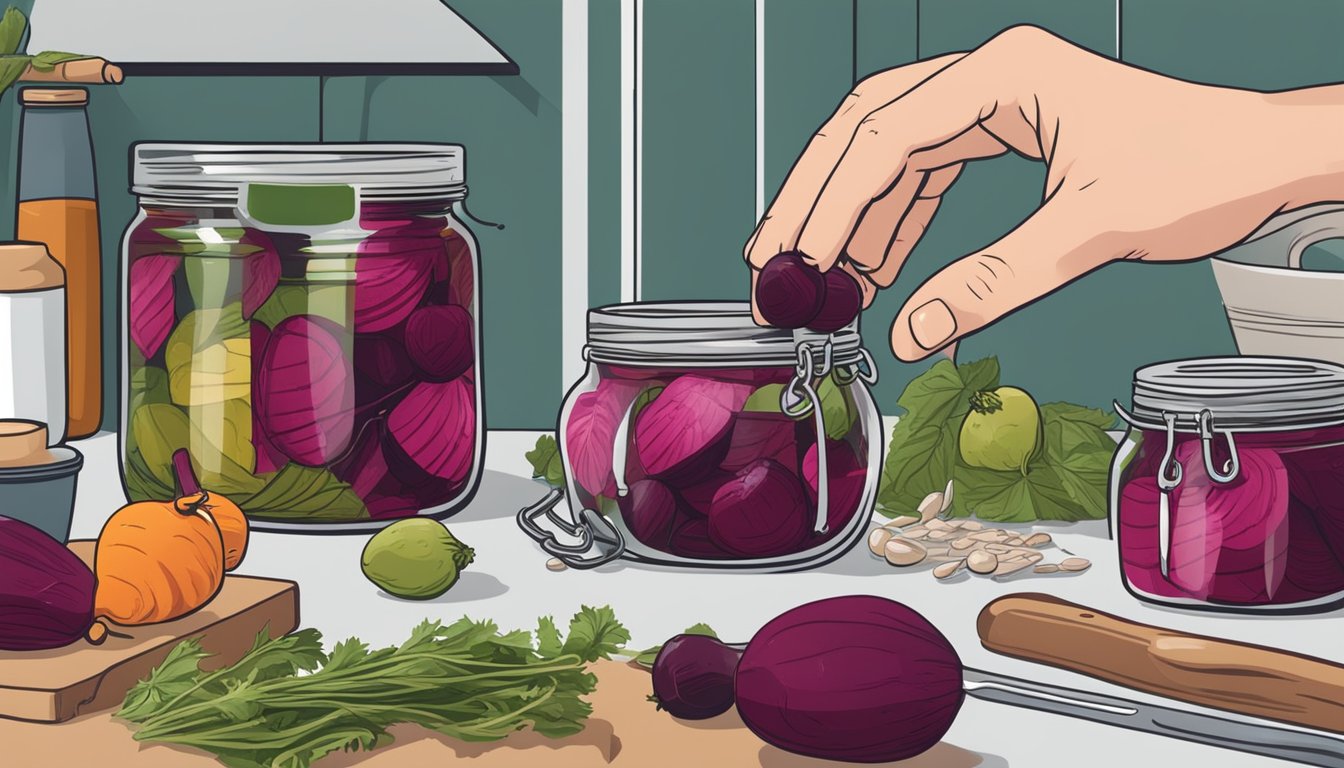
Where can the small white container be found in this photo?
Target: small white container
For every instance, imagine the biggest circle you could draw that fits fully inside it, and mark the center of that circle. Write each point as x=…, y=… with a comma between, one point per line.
x=32, y=337
x=1274, y=306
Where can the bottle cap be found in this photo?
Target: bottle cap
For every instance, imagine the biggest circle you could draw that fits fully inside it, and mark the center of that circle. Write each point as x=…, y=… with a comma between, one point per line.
x=45, y=96
x=23, y=444
x=28, y=267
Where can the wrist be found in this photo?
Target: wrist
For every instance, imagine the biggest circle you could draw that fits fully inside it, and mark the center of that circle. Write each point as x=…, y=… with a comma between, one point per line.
x=1305, y=144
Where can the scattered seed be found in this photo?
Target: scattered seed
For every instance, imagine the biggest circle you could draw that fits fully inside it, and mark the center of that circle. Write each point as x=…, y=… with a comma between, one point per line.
x=985, y=536
x=943, y=535
x=947, y=569
x=901, y=552
x=930, y=506
x=1032, y=557
x=971, y=525
x=915, y=532
x=1015, y=541
x=1075, y=564
x=877, y=541
x=1037, y=540
x=965, y=542
x=998, y=549
x=556, y=564
x=1046, y=568
x=1007, y=568
x=947, y=498
x=901, y=522
x=981, y=561
x=936, y=548
x=934, y=524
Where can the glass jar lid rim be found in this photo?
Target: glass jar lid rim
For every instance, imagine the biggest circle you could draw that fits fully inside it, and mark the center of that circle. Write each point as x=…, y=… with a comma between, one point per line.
x=1249, y=393
x=703, y=333
x=217, y=170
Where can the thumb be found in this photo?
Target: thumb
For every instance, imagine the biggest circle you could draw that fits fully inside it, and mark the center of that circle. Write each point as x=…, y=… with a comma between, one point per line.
x=1056, y=246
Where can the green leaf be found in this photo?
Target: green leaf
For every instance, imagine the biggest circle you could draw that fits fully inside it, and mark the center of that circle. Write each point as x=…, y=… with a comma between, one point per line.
x=1080, y=451
x=642, y=402
x=12, y=25
x=765, y=399
x=594, y=633
x=11, y=69
x=1011, y=497
x=923, y=448
x=174, y=676
x=209, y=356
x=149, y=384
x=546, y=463
x=837, y=412
x=156, y=431
x=335, y=302
x=299, y=492
x=46, y=61
x=548, y=638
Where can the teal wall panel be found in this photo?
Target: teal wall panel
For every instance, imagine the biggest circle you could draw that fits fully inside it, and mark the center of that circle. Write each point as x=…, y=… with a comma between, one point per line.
x=511, y=129
x=1246, y=43
x=960, y=25
x=698, y=183
x=886, y=34
x=604, y=151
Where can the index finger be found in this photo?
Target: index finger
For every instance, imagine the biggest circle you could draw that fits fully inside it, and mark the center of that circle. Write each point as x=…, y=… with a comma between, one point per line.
x=780, y=227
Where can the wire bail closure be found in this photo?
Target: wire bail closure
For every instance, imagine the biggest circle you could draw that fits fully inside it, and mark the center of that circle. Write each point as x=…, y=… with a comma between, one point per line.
x=1233, y=465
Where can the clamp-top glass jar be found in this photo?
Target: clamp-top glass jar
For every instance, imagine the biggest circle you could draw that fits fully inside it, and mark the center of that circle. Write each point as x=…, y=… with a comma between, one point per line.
x=1228, y=491
x=694, y=439
x=303, y=320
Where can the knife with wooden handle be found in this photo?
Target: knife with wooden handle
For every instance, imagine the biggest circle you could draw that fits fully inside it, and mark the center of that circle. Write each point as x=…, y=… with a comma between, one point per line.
x=1236, y=677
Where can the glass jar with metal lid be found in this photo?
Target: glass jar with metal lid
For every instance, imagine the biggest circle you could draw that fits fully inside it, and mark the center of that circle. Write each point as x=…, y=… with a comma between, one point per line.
x=304, y=320
x=697, y=438
x=1227, y=493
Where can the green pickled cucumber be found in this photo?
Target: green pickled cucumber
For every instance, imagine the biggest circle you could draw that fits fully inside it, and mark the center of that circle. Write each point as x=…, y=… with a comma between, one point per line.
x=415, y=559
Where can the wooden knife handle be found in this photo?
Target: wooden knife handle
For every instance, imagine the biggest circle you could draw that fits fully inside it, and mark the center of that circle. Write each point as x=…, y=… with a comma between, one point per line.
x=1237, y=677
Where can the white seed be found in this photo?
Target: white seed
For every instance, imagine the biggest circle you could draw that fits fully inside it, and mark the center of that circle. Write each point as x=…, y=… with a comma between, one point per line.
x=901, y=522
x=556, y=564
x=1075, y=564
x=930, y=506
x=877, y=541
x=943, y=535
x=990, y=535
x=1031, y=557
x=998, y=549
x=934, y=524
x=965, y=542
x=901, y=552
x=1007, y=568
x=947, y=498
x=1047, y=568
x=971, y=525
x=982, y=562
x=947, y=569
x=915, y=532
x=1015, y=541
x=1037, y=540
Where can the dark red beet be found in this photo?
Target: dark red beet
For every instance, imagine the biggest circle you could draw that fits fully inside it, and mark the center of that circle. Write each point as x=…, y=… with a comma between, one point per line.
x=761, y=436
x=761, y=512
x=46, y=591
x=859, y=678
x=845, y=477
x=692, y=540
x=439, y=341
x=650, y=512
x=699, y=496
x=789, y=291
x=841, y=305
x=381, y=359
x=693, y=677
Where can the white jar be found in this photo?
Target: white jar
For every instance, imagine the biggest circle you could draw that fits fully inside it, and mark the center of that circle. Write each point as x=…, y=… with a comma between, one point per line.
x=32, y=337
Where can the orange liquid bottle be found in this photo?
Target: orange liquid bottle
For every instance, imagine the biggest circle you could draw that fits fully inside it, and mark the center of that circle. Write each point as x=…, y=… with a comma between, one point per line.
x=58, y=206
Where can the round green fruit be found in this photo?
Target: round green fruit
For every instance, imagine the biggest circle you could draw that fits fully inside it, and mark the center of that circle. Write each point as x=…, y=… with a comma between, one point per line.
x=1002, y=431
x=416, y=559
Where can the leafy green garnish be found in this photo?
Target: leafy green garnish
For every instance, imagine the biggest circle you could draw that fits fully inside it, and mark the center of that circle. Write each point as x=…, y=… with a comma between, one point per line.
x=297, y=491
x=837, y=412
x=646, y=657
x=765, y=399
x=546, y=463
x=334, y=302
x=12, y=25
x=1065, y=481
x=466, y=680
x=12, y=63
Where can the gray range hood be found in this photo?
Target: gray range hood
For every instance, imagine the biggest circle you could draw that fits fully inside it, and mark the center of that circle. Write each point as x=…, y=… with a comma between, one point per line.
x=269, y=37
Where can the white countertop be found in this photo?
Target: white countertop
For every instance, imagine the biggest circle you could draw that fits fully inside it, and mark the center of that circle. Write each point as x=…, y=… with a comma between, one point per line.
x=510, y=584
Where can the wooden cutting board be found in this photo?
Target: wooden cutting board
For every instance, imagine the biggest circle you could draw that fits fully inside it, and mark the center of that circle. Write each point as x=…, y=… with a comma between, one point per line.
x=56, y=685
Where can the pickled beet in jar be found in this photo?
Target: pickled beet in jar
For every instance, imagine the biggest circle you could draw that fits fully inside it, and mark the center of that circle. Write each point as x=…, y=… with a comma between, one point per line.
x=1228, y=490
x=303, y=320
x=698, y=438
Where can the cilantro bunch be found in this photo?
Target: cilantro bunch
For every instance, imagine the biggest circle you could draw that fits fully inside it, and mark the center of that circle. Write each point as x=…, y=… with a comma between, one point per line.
x=286, y=703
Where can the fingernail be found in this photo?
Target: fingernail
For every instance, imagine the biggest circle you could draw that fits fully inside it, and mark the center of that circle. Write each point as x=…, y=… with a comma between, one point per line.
x=932, y=324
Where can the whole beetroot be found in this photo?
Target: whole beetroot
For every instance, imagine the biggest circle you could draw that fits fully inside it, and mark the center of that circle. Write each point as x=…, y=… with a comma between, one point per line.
x=841, y=303
x=693, y=677
x=650, y=512
x=761, y=512
x=857, y=678
x=789, y=291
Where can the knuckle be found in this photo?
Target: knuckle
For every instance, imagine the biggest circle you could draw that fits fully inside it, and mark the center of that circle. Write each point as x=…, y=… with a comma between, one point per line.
x=1021, y=37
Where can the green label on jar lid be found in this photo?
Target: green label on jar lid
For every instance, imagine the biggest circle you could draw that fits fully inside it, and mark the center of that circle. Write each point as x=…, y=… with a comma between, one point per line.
x=300, y=205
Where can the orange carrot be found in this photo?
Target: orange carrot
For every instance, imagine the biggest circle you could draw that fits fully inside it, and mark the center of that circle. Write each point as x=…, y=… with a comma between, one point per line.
x=230, y=519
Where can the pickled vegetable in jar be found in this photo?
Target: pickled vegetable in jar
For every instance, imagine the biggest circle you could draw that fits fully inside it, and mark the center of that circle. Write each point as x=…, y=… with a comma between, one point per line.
x=1228, y=490
x=699, y=438
x=303, y=320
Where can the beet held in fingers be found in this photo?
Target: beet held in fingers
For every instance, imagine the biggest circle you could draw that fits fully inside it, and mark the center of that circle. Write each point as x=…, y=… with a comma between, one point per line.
x=842, y=301
x=789, y=291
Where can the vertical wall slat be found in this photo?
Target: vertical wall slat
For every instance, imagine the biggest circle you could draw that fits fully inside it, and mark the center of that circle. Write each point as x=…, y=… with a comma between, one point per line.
x=604, y=151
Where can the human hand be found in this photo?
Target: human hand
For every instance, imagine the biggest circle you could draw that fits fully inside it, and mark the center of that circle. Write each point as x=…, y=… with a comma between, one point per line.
x=1139, y=166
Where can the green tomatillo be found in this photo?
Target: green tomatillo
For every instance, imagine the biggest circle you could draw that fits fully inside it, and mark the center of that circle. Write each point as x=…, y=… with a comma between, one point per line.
x=1002, y=431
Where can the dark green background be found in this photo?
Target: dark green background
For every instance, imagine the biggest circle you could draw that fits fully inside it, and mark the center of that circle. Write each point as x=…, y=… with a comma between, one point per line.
x=699, y=162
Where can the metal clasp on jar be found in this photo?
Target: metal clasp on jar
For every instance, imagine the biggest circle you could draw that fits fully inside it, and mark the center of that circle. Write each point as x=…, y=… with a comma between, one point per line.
x=797, y=400
x=1170, y=474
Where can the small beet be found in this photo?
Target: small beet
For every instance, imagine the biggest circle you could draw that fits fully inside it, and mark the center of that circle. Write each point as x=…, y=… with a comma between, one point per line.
x=439, y=341
x=789, y=291
x=693, y=677
x=762, y=512
x=841, y=305
x=650, y=512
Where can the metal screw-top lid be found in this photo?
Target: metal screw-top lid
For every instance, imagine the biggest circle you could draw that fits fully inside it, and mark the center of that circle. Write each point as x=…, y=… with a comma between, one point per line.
x=216, y=172
x=703, y=334
x=1239, y=393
